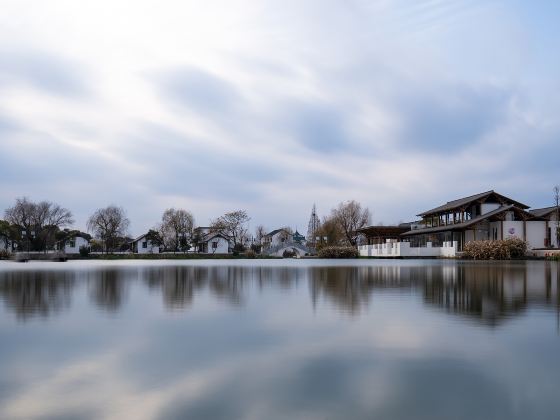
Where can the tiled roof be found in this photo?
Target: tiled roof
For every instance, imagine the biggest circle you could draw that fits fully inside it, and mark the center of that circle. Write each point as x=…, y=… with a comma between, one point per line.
x=545, y=211
x=462, y=202
x=464, y=225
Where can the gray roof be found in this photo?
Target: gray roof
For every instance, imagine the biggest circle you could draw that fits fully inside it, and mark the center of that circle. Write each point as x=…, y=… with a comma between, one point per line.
x=462, y=202
x=211, y=235
x=545, y=211
x=274, y=232
x=464, y=225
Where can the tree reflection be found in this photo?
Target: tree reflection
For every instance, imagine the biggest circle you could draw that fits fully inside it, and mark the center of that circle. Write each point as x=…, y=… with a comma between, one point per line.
x=486, y=292
x=107, y=288
x=36, y=293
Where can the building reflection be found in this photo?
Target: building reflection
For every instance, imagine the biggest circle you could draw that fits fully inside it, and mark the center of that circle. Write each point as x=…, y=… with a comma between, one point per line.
x=488, y=293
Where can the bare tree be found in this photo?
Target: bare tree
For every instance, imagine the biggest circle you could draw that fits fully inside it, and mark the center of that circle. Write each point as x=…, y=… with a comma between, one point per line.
x=233, y=225
x=176, y=228
x=329, y=233
x=108, y=225
x=260, y=231
x=38, y=222
x=350, y=217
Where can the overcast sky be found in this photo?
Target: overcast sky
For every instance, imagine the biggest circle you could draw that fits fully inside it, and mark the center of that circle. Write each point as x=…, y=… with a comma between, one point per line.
x=271, y=106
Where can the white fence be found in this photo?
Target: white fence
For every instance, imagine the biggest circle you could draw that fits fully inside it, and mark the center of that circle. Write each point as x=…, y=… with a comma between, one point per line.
x=403, y=249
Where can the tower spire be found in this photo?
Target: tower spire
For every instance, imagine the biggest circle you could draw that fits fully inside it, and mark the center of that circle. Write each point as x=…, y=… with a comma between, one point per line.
x=313, y=226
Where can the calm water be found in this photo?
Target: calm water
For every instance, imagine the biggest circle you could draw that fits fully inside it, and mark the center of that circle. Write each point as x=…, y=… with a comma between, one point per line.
x=280, y=340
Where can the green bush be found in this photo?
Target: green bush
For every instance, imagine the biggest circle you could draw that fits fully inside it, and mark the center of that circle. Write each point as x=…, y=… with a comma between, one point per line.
x=338, y=252
x=506, y=249
x=84, y=251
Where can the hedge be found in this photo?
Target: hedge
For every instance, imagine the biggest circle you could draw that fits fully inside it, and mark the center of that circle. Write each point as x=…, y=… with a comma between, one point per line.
x=506, y=249
x=338, y=252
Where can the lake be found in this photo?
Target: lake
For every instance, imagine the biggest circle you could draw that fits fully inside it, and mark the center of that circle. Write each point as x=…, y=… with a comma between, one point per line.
x=280, y=339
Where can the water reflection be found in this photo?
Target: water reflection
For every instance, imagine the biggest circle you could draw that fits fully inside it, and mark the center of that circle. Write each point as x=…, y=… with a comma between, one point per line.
x=300, y=339
x=36, y=293
x=489, y=293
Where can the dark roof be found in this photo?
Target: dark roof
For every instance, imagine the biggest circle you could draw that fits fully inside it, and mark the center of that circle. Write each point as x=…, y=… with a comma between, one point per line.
x=384, y=231
x=298, y=235
x=211, y=235
x=545, y=211
x=138, y=238
x=462, y=202
x=274, y=232
x=464, y=225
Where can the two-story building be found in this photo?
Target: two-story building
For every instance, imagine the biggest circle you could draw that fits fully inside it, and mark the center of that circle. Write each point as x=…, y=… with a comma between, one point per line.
x=444, y=230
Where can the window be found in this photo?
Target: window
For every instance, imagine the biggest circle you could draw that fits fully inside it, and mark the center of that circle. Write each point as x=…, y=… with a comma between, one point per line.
x=144, y=244
x=72, y=243
x=215, y=245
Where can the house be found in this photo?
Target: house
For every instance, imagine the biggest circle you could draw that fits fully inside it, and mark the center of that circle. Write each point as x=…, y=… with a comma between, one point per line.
x=209, y=242
x=444, y=230
x=276, y=238
x=73, y=241
x=144, y=245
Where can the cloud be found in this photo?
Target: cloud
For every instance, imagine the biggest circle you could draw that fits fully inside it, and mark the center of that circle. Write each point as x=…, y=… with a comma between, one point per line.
x=199, y=91
x=319, y=128
x=448, y=119
x=42, y=71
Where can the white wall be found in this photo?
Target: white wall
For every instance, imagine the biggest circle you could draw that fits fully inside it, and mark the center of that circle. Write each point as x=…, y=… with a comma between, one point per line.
x=488, y=207
x=536, y=234
x=222, y=246
x=552, y=225
x=79, y=242
x=150, y=248
x=403, y=249
x=514, y=229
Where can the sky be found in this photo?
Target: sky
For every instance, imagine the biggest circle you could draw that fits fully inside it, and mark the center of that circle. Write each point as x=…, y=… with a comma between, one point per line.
x=272, y=106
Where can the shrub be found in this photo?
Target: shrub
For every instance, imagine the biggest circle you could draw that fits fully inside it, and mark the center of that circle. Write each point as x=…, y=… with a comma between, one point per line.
x=251, y=254
x=288, y=254
x=84, y=251
x=5, y=254
x=506, y=249
x=338, y=252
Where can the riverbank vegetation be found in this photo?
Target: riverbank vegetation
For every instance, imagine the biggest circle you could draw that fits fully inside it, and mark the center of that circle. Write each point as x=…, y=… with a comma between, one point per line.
x=507, y=249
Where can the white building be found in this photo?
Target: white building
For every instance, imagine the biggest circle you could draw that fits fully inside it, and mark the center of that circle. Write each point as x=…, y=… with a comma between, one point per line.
x=73, y=245
x=276, y=238
x=445, y=230
x=212, y=242
x=143, y=245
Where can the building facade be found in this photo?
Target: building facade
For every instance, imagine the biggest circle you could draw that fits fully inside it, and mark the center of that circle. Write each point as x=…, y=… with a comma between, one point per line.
x=444, y=230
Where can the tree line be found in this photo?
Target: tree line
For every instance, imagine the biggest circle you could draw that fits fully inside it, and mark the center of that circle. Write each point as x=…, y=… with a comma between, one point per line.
x=44, y=225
